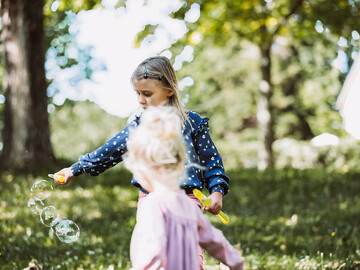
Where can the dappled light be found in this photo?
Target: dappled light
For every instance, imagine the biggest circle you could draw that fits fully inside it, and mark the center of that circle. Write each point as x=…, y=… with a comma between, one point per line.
x=292, y=219
x=276, y=81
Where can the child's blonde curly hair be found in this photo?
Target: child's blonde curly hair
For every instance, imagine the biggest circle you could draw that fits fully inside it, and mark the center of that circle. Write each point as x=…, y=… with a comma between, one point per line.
x=156, y=147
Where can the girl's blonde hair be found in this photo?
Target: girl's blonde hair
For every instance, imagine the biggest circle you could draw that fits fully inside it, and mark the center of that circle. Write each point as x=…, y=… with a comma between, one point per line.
x=156, y=147
x=159, y=68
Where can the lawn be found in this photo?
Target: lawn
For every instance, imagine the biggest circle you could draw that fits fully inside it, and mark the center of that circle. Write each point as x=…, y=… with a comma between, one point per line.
x=283, y=219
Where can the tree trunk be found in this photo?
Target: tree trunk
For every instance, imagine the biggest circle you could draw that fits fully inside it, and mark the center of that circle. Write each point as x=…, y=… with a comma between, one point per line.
x=265, y=112
x=26, y=127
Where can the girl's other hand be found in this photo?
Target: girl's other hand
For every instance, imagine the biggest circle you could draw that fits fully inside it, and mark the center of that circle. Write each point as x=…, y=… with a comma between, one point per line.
x=68, y=175
x=216, y=203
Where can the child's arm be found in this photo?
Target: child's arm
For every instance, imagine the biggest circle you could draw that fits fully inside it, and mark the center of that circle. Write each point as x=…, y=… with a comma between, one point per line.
x=214, y=242
x=68, y=175
x=100, y=159
x=214, y=175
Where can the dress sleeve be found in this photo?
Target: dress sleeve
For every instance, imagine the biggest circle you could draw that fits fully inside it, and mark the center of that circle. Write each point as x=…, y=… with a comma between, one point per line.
x=105, y=156
x=209, y=157
x=215, y=243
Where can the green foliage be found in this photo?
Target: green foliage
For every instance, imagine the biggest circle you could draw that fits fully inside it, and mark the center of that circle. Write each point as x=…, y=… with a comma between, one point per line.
x=288, y=219
x=80, y=127
x=303, y=85
x=225, y=90
x=301, y=154
x=148, y=29
x=340, y=16
x=260, y=21
x=226, y=83
x=228, y=86
x=63, y=51
x=306, y=87
x=75, y=6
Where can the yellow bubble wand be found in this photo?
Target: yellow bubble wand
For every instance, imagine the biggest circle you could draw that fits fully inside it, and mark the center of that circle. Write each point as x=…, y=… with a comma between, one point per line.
x=59, y=177
x=205, y=201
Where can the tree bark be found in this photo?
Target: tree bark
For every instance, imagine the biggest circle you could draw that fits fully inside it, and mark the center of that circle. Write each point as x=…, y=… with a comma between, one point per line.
x=26, y=127
x=265, y=112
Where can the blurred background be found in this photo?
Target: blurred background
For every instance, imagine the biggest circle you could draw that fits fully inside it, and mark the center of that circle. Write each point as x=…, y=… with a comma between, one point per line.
x=279, y=80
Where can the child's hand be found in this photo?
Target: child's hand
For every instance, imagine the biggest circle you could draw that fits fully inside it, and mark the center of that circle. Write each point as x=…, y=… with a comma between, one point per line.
x=67, y=176
x=216, y=203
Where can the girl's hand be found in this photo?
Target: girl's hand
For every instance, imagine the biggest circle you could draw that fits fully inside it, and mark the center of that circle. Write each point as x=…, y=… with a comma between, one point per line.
x=68, y=175
x=216, y=203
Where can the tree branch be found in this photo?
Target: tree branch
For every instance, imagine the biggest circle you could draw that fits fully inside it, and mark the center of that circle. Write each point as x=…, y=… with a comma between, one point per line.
x=294, y=8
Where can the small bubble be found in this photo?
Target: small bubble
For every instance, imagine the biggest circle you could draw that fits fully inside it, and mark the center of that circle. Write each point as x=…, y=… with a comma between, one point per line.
x=35, y=205
x=49, y=216
x=67, y=231
x=41, y=190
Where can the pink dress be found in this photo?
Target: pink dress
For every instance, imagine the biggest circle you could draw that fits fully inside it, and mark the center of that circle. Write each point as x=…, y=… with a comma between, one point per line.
x=167, y=233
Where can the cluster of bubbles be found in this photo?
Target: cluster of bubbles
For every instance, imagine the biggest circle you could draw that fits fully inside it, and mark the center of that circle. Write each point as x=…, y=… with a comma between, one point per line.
x=66, y=230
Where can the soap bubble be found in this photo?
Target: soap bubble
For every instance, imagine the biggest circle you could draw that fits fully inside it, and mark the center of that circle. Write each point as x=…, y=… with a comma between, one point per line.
x=49, y=216
x=41, y=189
x=36, y=206
x=67, y=231
x=56, y=222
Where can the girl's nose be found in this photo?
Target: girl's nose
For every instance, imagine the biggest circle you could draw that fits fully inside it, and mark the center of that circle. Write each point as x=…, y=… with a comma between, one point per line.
x=141, y=99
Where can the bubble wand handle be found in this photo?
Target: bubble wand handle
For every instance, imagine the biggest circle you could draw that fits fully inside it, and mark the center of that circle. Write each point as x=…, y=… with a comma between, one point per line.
x=59, y=177
x=205, y=201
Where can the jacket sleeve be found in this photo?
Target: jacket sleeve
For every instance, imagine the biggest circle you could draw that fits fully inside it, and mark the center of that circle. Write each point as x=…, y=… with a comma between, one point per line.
x=105, y=156
x=209, y=157
x=215, y=243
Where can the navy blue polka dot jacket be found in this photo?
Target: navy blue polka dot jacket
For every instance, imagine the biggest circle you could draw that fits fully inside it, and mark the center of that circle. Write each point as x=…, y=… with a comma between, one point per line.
x=200, y=147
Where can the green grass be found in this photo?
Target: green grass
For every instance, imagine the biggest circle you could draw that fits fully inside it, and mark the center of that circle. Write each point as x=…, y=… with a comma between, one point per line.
x=285, y=219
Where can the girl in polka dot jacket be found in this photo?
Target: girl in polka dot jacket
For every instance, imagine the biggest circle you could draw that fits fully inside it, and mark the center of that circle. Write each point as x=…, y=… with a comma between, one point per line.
x=155, y=83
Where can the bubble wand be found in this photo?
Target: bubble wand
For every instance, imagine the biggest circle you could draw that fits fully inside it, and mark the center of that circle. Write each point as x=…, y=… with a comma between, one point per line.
x=58, y=177
x=205, y=201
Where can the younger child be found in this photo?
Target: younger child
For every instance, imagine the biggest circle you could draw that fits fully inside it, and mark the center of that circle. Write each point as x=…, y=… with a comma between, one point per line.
x=169, y=225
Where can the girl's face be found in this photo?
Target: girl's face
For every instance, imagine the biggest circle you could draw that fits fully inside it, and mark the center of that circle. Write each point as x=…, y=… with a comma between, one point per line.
x=150, y=93
x=144, y=182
